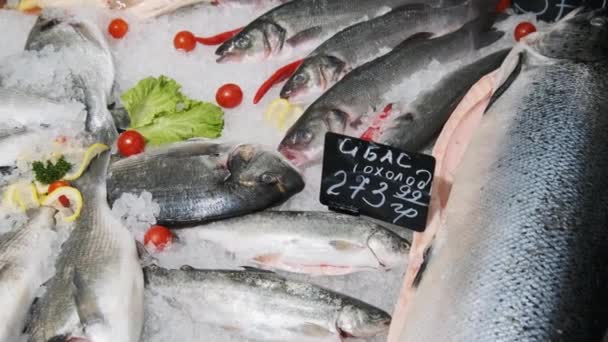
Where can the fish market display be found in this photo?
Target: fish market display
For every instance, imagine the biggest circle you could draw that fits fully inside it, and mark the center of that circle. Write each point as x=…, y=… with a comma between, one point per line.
x=365, y=41
x=24, y=253
x=521, y=253
x=298, y=22
x=265, y=306
x=362, y=92
x=319, y=243
x=198, y=181
x=97, y=291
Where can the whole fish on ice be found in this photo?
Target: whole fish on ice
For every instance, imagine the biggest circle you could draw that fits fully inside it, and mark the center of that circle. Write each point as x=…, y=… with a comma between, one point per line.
x=319, y=243
x=199, y=181
x=365, y=41
x=265, y=306
x=362, y=93
x=97, y=291
x=297, y=22
x=522, y=253
x=24, y=258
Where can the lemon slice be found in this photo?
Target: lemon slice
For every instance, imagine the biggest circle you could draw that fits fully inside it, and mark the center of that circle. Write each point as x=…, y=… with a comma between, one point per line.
x=28, y=5
x=90, y=154
x=26, y=196
x=9, y=196
x=41, y=188
x=290, y=118
x=277, y=108
x=72, y=194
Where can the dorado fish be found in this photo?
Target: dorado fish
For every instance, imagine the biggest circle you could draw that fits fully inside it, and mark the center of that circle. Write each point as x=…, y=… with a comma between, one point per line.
x=97, y=291
x=198, y=181
x=319, y=243
x=365, y=41
x=521, y=255
x=362, y=92
x=265, y=306
x=24, y=253
x=297, y=22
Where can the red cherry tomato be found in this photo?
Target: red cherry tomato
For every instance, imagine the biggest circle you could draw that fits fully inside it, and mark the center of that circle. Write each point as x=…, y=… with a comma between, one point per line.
x=523, y=29
x=59, y=184
x=118, y=28
x=503, y=5
x=130, y=143
x=184, y=40
x=159, y=236
x=229, y=95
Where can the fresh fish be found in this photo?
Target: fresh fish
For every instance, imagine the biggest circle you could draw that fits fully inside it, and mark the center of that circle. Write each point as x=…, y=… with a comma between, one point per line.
x=198, y=181
x=362, y=92
x=265, y=306
x=299, y=21
x=436, y=104
x=24, y=253
x=319, y=243
x=521, y=255
x=97, y=291
x=368, y=40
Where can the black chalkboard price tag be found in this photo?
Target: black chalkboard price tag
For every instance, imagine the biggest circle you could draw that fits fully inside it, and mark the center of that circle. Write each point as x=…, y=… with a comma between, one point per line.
x=379, y=181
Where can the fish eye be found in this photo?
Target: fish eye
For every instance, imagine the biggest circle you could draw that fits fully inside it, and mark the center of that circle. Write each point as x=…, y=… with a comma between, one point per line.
x=242, y=42
x=269, y=179
x=299, y=78
x=598, y=21
x=304, y=136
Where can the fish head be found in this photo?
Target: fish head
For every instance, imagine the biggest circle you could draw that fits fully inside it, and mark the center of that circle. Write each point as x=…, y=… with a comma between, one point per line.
x=315, y=72
x=261, y=38
x=57, y=30
x=359, y=320
x=268, y=173
x=303, y=143
x=581, y=36
x=388, y=248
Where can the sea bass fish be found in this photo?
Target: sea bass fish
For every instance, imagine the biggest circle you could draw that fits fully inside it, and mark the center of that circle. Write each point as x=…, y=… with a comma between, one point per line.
x=24, y=253
x=97, y=291
x=265, y=306
x=521, y=254
x=318, y=243
x=361, y=93
x=199, y=181
x=365, y=41
x=297, y=22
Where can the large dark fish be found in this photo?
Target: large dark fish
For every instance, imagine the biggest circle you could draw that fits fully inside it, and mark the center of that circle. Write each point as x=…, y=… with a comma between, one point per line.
x=362, y=93
x=523, y=253
x=300, y=21
x=198, y=181
x=97, y=291
x=265, y=306
x=365, y=41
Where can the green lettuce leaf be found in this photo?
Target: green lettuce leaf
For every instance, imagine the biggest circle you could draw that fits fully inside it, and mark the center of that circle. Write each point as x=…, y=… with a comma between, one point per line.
x=150, y=98
x=199, y=119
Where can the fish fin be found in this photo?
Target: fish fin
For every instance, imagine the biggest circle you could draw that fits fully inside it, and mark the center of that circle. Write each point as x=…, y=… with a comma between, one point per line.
x=343, y=245
x=312, y=330
x=186, y=268
x=416, y=38
x=425, y=262
x=507, y=83
x=481, y=30
x=145, y=258
x=305, y=36
x=256, y=269
x=267, y=258
x=86, y=304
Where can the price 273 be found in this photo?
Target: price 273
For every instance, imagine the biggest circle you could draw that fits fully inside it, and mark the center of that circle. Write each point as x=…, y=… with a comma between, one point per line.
x=375, y=196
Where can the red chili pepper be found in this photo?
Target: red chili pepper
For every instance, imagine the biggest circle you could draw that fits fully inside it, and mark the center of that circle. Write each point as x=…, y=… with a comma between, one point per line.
x=218, y=38
x=279, y=76
x=374, y=129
